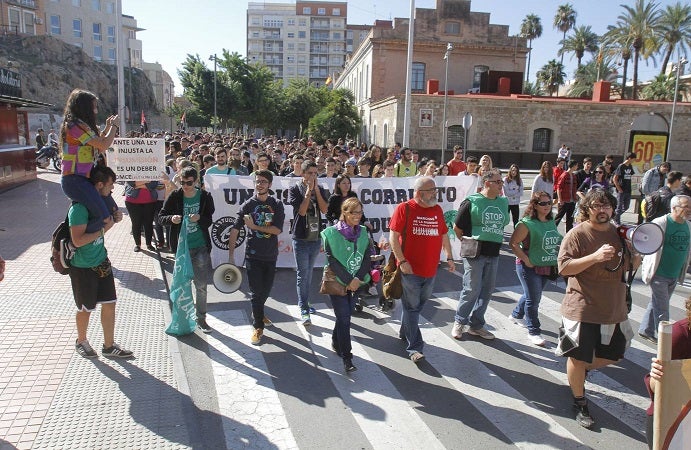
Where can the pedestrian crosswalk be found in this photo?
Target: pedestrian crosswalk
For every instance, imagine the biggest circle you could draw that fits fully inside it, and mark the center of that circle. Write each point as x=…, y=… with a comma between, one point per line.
x=466, y=394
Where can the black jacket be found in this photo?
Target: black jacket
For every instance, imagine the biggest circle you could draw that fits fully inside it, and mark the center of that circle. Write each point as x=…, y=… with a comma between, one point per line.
x=174, y=207
x=295, y=198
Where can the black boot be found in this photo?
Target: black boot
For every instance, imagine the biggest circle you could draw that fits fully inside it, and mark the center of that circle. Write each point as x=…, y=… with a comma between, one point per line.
x=583, y=417
x=348, y=365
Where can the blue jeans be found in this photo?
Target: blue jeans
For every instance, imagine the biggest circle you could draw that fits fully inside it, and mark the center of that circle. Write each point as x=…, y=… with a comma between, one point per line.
x=79, y=189
x=201, y=264
x=306, y=253
x=340, y=337
x=479, y=277
x=529, y=302
x=658, y=308
x=623, y=201
x=416, y=291
x=260, y=276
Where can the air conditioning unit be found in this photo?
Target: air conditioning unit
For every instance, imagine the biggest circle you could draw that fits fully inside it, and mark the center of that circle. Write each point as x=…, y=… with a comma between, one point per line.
x=38, y=21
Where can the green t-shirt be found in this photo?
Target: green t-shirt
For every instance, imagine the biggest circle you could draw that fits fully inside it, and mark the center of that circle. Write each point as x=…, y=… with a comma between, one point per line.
x=215, y=170
x=544, y=241
x=195, y=237
x=93, y=253
x=488, y=217
x=675, y=249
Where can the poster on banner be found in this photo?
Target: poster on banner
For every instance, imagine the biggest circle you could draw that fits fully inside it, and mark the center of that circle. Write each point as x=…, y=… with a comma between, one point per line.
x=379, y=197
x=135, y=159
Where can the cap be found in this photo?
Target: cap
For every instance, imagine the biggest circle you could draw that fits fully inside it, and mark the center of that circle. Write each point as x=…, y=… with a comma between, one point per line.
x=350, y=162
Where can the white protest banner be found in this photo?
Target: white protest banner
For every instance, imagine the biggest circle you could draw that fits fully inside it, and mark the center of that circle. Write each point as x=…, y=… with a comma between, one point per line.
x=379, y=197
x=135, y=159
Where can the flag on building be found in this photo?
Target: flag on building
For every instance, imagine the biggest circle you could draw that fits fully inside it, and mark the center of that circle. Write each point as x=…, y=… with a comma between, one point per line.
x=144, y=127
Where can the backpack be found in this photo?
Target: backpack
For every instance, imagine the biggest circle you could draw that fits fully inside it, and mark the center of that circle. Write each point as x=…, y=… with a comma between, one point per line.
x=61, y=248
x=654, y=205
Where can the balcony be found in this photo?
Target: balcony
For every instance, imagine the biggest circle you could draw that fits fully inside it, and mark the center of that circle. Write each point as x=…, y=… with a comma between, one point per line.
x=24, y=3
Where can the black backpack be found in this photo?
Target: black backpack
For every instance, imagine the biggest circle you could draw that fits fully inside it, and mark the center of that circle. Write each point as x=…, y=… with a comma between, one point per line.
x=61, y=248
x=657, y=204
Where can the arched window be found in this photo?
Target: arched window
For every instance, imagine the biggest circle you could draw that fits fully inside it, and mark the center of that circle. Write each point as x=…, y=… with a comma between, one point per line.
x=417, y=83
x=542, y=140
x=386, y=136
x=455, y=136
x=477, y=74
x=374, y=133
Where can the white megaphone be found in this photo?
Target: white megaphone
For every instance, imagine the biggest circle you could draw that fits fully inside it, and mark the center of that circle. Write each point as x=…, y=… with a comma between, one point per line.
x=227, y=278
x=646, y=238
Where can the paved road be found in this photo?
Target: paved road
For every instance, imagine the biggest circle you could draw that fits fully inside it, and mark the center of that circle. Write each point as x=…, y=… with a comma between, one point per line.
x=218, y=391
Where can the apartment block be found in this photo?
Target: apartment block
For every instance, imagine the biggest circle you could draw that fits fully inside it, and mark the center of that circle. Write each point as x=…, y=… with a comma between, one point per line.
x=306, y=39
x=21, y=17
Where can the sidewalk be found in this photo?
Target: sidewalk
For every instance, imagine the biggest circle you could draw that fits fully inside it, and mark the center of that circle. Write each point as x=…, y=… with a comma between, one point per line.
x=50, y=397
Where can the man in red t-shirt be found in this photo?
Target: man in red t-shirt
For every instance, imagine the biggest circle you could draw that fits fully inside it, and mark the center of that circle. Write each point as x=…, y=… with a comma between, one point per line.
x=417, y=252
x=456, y=164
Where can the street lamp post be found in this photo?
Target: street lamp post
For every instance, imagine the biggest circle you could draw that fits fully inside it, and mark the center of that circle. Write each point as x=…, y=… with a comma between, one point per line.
x=215, y=111
x=447, y=54
x=679, y=65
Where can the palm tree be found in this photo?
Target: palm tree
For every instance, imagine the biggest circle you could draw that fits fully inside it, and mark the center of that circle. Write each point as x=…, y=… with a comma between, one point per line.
x=662, y=88
x=641, y=20
x=675, y=29
x=564, y=20
x=534, y=89
x=616, y=43
x=582, y=40
x=551, y=76
x=588, y=74
x=531, y=28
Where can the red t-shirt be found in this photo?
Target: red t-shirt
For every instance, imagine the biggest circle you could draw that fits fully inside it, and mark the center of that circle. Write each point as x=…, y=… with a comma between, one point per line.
x=424, y=230
x=456, y=167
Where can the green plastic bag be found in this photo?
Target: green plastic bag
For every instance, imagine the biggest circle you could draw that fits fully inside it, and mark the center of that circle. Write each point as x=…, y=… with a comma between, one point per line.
x=184, y=314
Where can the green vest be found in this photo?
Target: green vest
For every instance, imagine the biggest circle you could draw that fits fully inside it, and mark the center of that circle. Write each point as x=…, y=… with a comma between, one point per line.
x=342, y=249
x=544, y=241
x=488, y=217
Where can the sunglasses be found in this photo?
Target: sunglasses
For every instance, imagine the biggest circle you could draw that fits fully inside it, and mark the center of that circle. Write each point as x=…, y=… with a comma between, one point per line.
x=544, y=203
x=599, y=171
x=187, y=183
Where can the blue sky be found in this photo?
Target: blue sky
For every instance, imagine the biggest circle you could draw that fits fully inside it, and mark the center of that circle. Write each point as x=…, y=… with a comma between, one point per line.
x=206, y=27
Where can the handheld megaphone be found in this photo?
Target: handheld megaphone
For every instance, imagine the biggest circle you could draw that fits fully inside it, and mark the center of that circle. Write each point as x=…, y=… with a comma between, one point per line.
x=646, y=238
x=227, y=278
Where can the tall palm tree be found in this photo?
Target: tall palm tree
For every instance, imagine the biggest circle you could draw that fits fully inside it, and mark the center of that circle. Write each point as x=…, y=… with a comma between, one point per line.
x=551, y=76
x=564, y=20
x=531, y=28
x=675, y=29
x=588, y=74
x=642, y=21
x=582, y=40
x=616, y=43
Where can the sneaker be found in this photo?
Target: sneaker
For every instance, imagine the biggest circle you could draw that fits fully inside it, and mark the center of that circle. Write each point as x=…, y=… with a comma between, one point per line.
x=150, y=248
x=201, y=323
x=257, y=336
x=312, y=310
x=583, y=417
x=348, y=365
x=517, y=321
x=457, y=330
x=416, y=357
x=373, y=291
x=136, y=249
x=648, y=338
x=537, y=340
x=267, y=322
x=305, y=316
x=85, y=349
x=114, y=351
x=481, y=332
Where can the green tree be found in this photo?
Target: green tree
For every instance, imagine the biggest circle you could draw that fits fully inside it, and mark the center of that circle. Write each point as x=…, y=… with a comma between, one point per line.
x=531, y=28
x=197, y=82
x=662, y=88
x=534, y=89
x=642, y=22
x=586, y=76
x=337, y=119
x=616, y=43
x=551, y=76
x=564, y=20
x=301, y=102
x=675, y=30
x=582, y=40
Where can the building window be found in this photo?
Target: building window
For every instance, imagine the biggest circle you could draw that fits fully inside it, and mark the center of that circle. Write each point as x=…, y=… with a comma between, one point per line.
x=111, y=34
x=55, y=25
x=336, y=12
x=132, y=34
x=455, y=136
x=321, y=11
x=29, y=21
x=98, y=52
x=110, y=8
x=290, y=59
x=385, y=139
x=306, y=10
x=302, y=47
x=96, y=5
x=477, y=75
x=418, y=81
x=452, y=28
x=291, y=22
x=15, y=20
x=256, y=21
x=302, y=35
x=542, y=140
x=77, y=28
x=337, y=36
x=374, y=133
x=97, y=32
x=255, y=34
x=302, y=22
x=77, y=3
x=291, y=35
x=291, y=46
x=111, y=54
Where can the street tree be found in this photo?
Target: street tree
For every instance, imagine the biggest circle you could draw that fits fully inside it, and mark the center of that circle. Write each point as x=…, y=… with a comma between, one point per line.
x=531, y=28
x=338, y=118
x=616, y=43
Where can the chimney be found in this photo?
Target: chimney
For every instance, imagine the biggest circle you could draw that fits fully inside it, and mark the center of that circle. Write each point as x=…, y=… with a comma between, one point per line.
x=432, y=86
x=601, y=91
